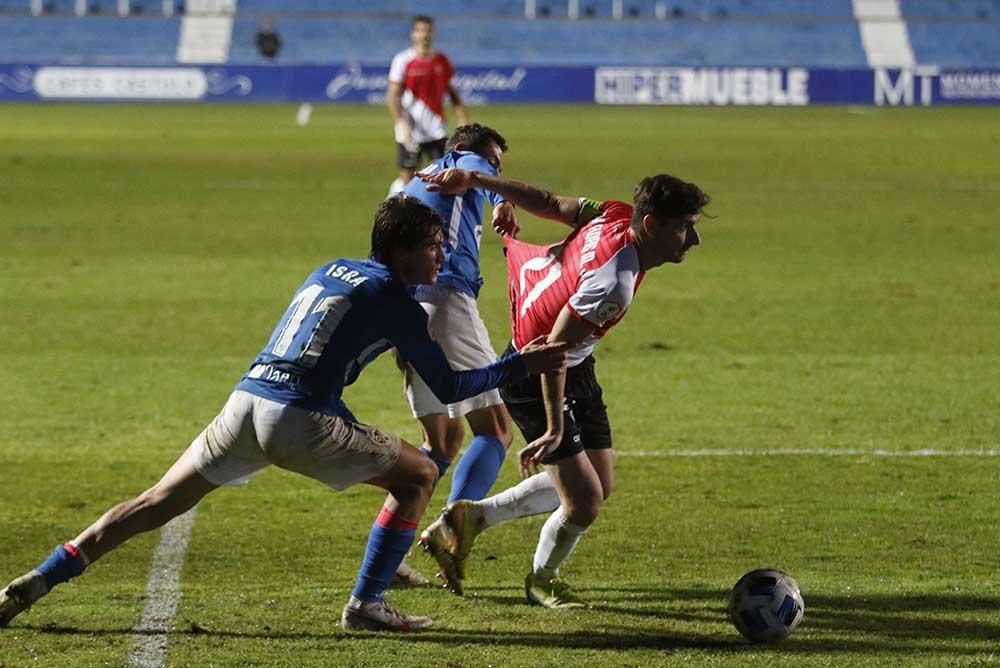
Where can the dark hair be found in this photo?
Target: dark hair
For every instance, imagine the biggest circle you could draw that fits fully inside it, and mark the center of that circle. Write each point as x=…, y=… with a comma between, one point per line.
x=475, y=137
x=421, y=18
x=667, y=197
x=401, y=223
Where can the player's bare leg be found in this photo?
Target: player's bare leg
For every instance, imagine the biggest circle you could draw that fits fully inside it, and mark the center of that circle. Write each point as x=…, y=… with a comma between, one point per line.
x=178, y=491
x=410, y=483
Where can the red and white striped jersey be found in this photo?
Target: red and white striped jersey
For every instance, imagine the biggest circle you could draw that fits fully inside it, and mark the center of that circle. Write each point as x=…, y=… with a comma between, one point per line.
x=425, y=82
x=595, y=271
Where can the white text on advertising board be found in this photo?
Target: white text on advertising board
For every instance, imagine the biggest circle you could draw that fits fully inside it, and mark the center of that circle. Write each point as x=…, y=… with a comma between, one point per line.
x=701, y=86
x=974, y=85
x=120, y=83
x=908, y=86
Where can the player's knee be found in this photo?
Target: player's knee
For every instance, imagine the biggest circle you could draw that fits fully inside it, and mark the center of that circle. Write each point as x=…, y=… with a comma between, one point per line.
x=505, y=432
x=584, y=511
x=446, y=442
x=493, y=421
x=425, y=475
x=453, y=439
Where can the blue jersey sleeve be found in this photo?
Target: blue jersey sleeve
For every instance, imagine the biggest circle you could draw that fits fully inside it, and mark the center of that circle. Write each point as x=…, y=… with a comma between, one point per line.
x=477, y=163
x=410, y=337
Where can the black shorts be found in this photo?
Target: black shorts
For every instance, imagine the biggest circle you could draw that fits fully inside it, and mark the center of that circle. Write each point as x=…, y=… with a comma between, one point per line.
x=411, y=159
x=586, y=425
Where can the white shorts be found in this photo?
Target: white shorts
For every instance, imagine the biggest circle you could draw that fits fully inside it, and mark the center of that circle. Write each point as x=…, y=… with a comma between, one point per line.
x=454, y=322
x=251, y=433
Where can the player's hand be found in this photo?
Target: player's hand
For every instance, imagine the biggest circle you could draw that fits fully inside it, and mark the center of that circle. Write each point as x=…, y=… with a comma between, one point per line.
x=531, y=456
x=451, y=181
x=541, y=357
x=405, y=133
x=505, y=220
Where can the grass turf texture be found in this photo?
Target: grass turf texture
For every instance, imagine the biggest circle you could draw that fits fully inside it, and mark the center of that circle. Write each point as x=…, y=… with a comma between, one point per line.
x=846, y=297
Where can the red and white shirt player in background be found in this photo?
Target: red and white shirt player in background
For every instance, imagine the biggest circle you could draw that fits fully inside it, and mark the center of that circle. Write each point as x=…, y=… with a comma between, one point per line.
x=573, y=291
x=419, y=78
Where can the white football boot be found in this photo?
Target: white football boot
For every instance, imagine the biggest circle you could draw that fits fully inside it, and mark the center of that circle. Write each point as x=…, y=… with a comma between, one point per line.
x=361, y=615
x=20, y=595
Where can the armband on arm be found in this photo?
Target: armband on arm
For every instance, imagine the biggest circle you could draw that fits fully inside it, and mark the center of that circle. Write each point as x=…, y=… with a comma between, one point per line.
x=589, y=209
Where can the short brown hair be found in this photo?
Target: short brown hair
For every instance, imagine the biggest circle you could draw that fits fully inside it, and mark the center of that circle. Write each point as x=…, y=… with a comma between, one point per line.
x=475, y=137
x=401, y=223
x=421, y=18
x=667, y=196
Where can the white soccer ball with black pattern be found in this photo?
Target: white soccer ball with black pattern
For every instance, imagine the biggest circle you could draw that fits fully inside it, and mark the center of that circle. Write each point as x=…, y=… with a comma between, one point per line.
x=766, y=605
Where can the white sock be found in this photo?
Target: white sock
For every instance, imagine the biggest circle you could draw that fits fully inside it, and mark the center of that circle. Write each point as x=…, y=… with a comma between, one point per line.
x=83, y=555
x=557, y=541
x=532, y=496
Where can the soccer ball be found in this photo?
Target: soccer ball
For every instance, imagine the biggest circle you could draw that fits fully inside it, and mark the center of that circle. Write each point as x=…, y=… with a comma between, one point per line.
x=766, y=605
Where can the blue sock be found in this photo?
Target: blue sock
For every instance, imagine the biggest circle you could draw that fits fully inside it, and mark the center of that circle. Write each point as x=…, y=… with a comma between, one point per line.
x=61, y=565
x=388, y=542
x=478, y=469
x=441, y=462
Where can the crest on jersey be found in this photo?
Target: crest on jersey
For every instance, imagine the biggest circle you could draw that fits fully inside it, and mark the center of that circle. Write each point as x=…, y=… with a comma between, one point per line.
x=378, y=438
x=608, y=310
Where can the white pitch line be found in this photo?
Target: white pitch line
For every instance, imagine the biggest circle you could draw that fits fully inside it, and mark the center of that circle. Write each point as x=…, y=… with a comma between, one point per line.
x=163, y=593
x=808, y=452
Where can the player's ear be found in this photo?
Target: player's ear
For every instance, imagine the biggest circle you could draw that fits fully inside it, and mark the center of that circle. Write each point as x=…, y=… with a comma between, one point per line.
x=648, y=224
x=461, y=146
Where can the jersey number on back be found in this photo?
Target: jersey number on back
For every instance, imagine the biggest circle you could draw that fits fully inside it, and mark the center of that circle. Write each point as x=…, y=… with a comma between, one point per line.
x=538, y=264
x=312, y=315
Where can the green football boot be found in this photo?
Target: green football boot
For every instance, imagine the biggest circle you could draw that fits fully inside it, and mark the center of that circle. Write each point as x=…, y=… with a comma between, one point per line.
x=551, y=593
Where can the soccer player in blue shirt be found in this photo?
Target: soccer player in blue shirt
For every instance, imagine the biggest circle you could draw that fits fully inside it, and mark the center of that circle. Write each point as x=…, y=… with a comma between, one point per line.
x=287, y=411
x=456, y=325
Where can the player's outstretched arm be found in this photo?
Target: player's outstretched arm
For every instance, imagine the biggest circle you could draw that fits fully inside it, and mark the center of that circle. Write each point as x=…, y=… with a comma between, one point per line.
x=541, y=202
x=542, y=356
x=416, y=346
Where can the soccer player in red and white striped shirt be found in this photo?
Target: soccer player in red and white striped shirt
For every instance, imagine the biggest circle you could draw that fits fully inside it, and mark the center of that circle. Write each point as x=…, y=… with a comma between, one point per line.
x=573, y=291
x=419, y=79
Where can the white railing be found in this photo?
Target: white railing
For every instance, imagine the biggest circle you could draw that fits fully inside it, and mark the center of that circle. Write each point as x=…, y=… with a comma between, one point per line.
x=531, y=10
x=124, y=7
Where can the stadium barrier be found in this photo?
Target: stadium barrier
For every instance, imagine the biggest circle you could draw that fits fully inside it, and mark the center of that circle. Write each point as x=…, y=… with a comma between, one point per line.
x=353, y=83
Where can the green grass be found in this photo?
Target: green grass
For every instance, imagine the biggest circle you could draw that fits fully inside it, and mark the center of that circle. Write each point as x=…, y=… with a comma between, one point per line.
x=846, y=297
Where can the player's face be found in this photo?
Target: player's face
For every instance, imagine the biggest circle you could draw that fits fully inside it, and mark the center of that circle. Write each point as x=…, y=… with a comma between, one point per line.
x=671, y=238
x=420, y=265
x=422, y=34
x=494, y=156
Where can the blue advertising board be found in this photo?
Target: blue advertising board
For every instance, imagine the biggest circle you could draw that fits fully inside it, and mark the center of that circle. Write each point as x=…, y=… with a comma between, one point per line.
x=355, y=83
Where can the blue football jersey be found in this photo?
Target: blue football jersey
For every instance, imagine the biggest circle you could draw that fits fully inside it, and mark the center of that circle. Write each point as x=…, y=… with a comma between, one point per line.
x=346, y=314
x=463, y=219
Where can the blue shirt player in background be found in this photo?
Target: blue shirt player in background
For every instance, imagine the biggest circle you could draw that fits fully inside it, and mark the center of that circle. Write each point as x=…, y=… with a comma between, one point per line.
x=456, y=325
x=287, y=411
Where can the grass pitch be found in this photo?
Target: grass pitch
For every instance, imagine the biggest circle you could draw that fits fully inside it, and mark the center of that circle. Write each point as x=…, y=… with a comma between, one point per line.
x=845, y=301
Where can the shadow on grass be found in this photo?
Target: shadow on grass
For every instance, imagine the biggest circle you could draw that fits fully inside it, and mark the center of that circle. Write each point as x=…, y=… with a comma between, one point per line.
x=943, y=623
